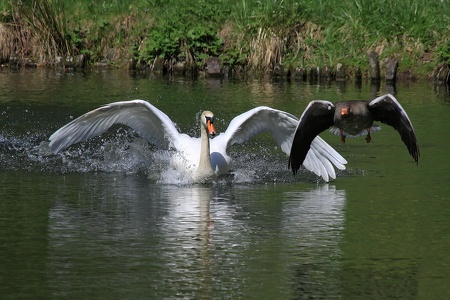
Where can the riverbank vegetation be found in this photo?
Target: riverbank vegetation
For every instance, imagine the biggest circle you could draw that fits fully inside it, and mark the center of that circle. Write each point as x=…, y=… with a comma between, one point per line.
x=256, y=36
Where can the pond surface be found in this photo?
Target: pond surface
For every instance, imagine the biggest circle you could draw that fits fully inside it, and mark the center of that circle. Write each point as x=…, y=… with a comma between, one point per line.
x=101, y=221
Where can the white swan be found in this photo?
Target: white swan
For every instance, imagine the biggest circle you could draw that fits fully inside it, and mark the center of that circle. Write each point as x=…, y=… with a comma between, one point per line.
x=202, y=158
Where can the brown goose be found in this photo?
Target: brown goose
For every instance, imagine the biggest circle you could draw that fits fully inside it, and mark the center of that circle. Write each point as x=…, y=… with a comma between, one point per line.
x=352, y=118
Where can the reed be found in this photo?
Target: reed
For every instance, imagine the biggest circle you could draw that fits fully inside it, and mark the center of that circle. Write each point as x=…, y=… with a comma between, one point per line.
x=42, y=26
x=412, y=25
x=324, y=33
x=15, y=41
x=257, y=34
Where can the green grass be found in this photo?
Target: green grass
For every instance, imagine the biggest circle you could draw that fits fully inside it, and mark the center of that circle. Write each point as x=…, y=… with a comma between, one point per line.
x=255, y=34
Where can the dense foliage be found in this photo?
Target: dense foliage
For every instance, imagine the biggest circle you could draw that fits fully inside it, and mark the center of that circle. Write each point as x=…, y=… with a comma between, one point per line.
x=256, y=34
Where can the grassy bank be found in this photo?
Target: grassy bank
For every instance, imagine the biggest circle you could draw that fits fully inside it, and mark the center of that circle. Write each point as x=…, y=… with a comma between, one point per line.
x=253, y=35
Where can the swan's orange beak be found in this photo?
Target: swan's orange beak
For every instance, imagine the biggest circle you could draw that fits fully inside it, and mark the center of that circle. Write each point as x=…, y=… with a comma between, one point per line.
x=211, y=130
x=344, y=111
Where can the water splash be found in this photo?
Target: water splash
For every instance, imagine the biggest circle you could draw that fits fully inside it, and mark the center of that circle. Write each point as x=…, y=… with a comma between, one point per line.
x=122, y=151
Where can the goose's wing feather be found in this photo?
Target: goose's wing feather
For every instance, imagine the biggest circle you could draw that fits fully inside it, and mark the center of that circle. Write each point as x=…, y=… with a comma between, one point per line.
x=148, y=121
x=317, y=117
x=388, y=110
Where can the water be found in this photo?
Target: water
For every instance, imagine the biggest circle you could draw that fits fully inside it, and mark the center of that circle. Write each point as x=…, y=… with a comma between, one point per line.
x=97, y=222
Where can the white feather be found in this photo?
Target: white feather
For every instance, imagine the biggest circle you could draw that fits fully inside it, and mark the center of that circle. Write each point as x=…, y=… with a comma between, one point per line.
x=158, y=129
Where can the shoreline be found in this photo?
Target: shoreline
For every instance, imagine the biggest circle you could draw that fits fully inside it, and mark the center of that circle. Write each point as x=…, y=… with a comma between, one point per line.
x=215, y=68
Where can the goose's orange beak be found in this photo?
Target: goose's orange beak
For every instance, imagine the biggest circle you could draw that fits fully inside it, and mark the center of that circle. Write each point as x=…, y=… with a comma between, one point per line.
x=344, y=111
x=211, y=130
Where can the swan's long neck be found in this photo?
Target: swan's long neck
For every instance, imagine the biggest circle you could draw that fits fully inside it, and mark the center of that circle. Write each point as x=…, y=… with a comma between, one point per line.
x=204, y=169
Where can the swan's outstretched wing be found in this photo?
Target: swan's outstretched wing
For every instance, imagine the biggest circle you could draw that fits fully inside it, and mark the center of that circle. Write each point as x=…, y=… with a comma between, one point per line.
x=321, y=157
x=148, y=121
x=282, y=126
x=258, y=120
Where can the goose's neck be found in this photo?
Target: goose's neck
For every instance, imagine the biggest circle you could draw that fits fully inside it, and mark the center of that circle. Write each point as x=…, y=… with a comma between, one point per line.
x=204, y=169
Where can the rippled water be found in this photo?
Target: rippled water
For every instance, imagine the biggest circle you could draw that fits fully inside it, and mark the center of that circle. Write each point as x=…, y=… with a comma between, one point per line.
x=104, y=219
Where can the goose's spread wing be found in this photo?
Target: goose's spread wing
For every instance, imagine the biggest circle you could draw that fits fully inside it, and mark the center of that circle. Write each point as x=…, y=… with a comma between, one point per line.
x=388, y=110
x=148, y=121
x=317, y=117
x=320, y=156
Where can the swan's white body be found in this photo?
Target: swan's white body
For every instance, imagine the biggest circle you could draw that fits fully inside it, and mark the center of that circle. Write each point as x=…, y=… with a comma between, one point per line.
x=156, y=127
